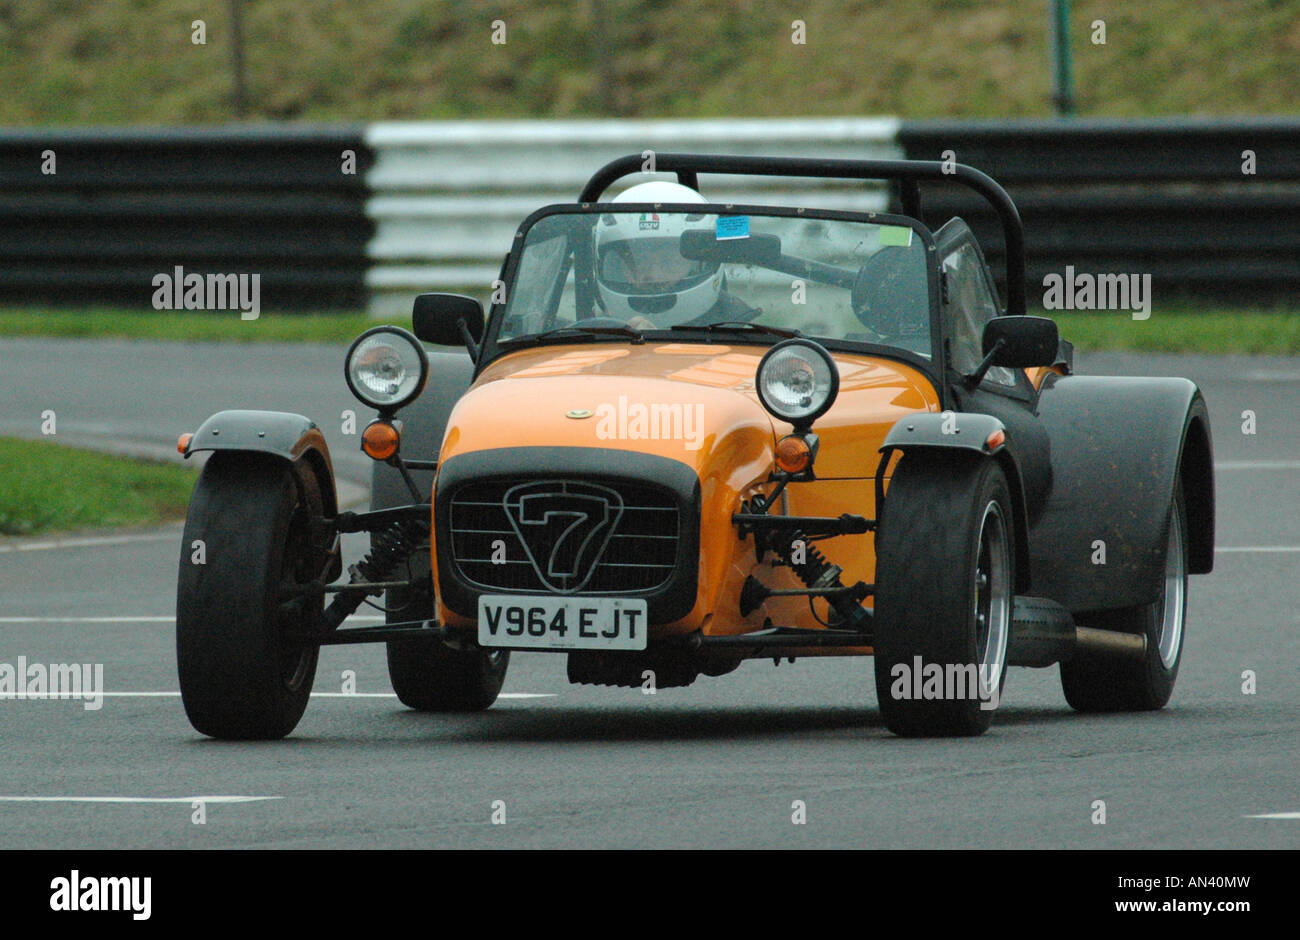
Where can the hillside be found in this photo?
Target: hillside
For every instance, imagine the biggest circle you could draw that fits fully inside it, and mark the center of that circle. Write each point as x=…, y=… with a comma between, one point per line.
x=133, y=62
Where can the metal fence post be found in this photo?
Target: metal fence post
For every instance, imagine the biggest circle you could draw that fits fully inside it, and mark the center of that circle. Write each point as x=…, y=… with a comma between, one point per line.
x=1062, y=78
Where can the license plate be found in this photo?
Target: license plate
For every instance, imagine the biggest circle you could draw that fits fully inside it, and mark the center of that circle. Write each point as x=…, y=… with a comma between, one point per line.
x=561, y=623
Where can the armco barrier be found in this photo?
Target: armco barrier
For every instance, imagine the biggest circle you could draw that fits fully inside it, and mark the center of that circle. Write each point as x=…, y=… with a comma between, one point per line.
x=125, y=205
x=1173, y=198
x=433, y=205
x=448, y=195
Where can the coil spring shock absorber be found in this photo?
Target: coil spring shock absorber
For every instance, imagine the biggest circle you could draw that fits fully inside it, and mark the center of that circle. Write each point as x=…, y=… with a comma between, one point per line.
x=816, y=572
x=387, y=548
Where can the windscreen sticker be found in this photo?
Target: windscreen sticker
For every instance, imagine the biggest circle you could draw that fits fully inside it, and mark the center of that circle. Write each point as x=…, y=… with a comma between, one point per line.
x=895, y=235
x=733, y=226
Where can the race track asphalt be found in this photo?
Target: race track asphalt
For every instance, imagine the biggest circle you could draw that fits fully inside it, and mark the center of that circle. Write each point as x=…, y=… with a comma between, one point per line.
x=719, y=764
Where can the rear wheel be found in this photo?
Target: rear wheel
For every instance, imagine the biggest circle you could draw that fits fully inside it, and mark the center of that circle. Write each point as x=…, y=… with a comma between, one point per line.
x=1102, y=684
x=945, y=583
x=248, y=541
x=430, y=676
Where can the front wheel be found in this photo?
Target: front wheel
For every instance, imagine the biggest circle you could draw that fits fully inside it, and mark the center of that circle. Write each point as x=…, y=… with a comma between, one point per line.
x=430, y=676
x=248, y=542
x=945, y=588
x=1099, y=684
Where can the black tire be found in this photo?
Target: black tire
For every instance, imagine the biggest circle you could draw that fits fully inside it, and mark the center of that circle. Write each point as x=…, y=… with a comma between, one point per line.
x=240, y=677
x=427, y=675
x=946, y=522
x=430, y=676
x=1105, y=684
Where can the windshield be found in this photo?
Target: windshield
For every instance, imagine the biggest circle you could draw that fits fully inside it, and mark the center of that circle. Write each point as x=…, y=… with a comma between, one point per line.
x=680, y=271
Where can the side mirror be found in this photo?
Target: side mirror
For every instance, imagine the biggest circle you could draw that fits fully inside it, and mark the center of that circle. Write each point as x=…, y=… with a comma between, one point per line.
x=1026, y=341
x=436, y=318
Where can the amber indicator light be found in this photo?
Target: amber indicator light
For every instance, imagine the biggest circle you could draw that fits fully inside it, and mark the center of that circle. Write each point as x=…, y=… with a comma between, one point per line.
x=793, y=455
x=379, y=440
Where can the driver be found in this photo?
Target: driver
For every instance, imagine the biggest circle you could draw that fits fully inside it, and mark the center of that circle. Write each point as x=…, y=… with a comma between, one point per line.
x=641, y=275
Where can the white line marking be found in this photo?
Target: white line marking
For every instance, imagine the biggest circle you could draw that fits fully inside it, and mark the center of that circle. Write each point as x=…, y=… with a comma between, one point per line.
x=1246, y=549
x=1267, y=375
x=88, y=542
x=322, y=694
x=1273, y=816
x=1257, y=465
x=87, y=619
x=363, y=618
x=136, y=799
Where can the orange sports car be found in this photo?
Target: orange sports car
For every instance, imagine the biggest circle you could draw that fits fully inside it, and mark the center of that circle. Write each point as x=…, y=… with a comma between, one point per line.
x=689, y=434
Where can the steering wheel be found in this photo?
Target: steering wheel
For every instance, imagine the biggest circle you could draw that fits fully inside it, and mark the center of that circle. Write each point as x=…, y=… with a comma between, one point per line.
x=880, y=293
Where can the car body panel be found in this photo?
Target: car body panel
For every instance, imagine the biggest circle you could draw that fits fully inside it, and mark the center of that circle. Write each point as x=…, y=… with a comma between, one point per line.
x=527, y=397
x=516, y=390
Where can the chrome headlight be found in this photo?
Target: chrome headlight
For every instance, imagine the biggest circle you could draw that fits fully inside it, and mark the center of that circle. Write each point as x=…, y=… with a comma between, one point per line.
x=797, y=381
x=386, y=368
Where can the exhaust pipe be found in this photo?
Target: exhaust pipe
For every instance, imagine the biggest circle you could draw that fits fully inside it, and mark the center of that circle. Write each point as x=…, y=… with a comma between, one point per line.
x=1110, y=643
x=1044, y=633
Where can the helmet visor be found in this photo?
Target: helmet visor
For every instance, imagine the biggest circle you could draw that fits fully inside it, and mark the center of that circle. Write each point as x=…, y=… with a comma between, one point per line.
x=649, y=266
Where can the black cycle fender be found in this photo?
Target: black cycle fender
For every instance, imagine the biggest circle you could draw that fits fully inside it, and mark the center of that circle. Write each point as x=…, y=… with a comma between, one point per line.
x=1119, y=446
x=975, y=434
x=291, y=437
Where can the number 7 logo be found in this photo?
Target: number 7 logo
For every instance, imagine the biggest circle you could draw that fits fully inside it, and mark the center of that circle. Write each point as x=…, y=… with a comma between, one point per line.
x=564, y=527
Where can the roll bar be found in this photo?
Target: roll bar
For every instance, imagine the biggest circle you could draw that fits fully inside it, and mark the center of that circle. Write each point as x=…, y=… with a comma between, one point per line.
x=908, y=173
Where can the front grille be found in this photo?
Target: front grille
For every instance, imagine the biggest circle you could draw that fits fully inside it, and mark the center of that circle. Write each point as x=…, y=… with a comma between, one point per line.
x=639, y=556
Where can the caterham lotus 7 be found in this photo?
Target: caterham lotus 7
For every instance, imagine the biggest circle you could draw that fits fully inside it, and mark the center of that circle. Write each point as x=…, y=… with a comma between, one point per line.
x=688, y=434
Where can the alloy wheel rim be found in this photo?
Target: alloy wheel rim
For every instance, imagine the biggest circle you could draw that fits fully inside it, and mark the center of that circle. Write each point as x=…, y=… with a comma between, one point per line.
x=1173, y=604
x=992, y=603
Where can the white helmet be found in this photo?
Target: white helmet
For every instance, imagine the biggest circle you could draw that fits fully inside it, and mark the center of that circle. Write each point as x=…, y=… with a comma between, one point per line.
x=640, y=270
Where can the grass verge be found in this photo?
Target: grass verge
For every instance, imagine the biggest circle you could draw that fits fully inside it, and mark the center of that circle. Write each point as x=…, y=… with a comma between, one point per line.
x=1185, y=330
x=45, y=487
x=1180, y=329
x=117, y=323
x=139, y=61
